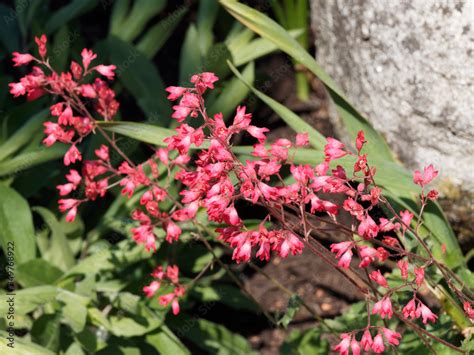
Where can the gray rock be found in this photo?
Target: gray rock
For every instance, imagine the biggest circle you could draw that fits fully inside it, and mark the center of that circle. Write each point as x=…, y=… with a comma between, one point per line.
x=408, y=65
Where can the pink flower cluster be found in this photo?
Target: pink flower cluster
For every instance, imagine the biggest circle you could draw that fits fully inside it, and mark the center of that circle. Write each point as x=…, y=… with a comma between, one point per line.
x=169, y=276
x=367, y=343
x=201, y=161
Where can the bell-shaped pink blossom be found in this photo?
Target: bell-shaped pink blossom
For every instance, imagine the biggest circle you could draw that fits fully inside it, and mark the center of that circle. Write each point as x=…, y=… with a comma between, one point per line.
x=383, y=308
x=378, y=346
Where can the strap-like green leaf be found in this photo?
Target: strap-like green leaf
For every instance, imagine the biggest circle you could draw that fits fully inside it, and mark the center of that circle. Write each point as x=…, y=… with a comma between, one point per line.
x=267, y=28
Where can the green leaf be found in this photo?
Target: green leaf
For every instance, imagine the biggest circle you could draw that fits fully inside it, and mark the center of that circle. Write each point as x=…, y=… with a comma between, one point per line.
x=256, y=48
x=156, y=36
x=17, y=235
x=131, y=26
x=206, y=17
x=21, y=346
x=135, y=325
x=308, y=342
x=211, y=337
x=37, y=272
x=59, y=253
x=267, y=28
x=294, y=304
x=141, y=78
x=23, y=135
x=316, y=139
x=190, y=59
x=215, y=60
x=28, y=299
x=67, y=13
x=46, y=331
x=27, y=160
x=119, y=14
x=165, y=342
x=74, y=310
x=109, y=258
x=227, y=294
x=234, y=92
x=10, y=33
x=140, y=131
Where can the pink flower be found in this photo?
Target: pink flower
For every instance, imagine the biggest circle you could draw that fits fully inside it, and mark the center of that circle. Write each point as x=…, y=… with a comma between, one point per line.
x=383, y=308
x=106, y=70
x=403, y=265
x=345, y=260
x=353, y=208
x=258, y=133
x=302, y=139
x=469, y=309
x=242, y=252
x=429, y=173
x=377, y=277
x=391, y=336
x=425, y=313
x=65, y=118
x=87, y=90
x=102, y=152
x=203, y=81
x=366, y=340
x=151, y=289
x=340, y=248
x=355, y=347
x=406, y=218
x=21, y=59
x=175, y=92
x=334, y=149
x=377, y=345
x=360, y=140
x=87, y=57
x=289, y=243
x=368, y=228
x=433, y=195
x=409, y=311
x=17, y=89
x=71, y=205
x=172, y=232
x=368, y=255
x=72, y=155
x=172, y=272
x=419, y=275
x=343, y=346
x=41, y=43
x=231, y=216
x=322, y=168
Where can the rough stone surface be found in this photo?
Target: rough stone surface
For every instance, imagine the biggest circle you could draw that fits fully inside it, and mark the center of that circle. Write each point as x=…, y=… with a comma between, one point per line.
x=408, y=65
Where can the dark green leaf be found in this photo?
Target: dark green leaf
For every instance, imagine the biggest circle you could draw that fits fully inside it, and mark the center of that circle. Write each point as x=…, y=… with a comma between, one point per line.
x=37, y=272
x=211, y=337
x=67, y=13
x=233, y=92
x=153, y=40
x=165, y=342
x=190, y=59
x=46, y=330
x=142, y=132
x=58, y=253
x=141, y=78
x=27, y=160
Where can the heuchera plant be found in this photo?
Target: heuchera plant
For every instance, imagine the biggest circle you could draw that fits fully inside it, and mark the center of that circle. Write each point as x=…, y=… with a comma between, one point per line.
x=213, y=179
